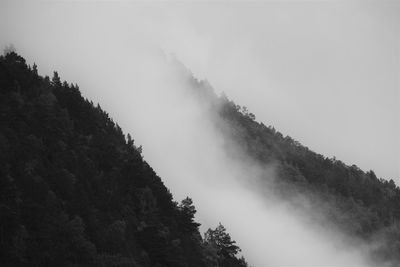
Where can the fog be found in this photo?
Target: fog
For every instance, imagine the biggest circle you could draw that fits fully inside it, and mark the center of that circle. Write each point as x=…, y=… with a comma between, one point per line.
x=122, y=56
x=186, y=148
x=329, y=70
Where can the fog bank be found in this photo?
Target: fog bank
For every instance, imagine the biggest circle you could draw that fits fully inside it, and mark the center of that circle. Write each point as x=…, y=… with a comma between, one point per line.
x=183, y=145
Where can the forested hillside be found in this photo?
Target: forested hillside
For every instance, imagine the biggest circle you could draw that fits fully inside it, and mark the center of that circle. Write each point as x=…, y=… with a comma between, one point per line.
x=75, y=191
x=356, y=202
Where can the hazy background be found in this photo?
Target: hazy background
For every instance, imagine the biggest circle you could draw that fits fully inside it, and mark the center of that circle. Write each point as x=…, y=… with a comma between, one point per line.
x=326, y=73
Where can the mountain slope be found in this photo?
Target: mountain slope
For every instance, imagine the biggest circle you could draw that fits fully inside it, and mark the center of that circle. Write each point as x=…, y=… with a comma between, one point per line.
x=74, y=191
x=351, y=200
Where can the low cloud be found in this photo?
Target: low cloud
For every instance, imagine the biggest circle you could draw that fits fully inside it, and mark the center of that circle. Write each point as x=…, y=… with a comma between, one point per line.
x=182, y=141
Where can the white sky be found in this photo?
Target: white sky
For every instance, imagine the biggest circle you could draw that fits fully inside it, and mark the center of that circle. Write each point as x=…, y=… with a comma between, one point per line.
x=326, y=73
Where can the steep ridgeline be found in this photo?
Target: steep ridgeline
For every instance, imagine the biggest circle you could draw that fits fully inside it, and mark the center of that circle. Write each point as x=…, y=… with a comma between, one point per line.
x=352, y=200
x=74, y=191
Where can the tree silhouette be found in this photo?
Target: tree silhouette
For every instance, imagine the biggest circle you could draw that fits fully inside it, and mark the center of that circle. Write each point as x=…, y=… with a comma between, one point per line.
x=220, y=241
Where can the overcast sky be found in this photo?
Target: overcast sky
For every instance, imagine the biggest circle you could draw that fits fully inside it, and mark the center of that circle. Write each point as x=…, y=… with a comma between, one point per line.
x=326, y=73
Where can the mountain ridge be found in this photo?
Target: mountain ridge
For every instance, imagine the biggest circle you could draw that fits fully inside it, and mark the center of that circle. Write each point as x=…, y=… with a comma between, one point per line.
x=357, y=202
x=76, y=191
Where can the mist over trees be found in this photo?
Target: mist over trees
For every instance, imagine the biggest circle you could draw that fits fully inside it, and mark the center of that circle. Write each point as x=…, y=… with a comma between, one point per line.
x=75, y=191
x=356, y=202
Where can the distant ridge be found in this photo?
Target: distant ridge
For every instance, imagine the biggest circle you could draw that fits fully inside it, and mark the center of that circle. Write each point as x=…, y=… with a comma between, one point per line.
x=357, y=202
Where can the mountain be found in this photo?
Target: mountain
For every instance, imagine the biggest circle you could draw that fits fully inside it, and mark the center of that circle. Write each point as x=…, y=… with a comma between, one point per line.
x=75, y=191
x=351, y=200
